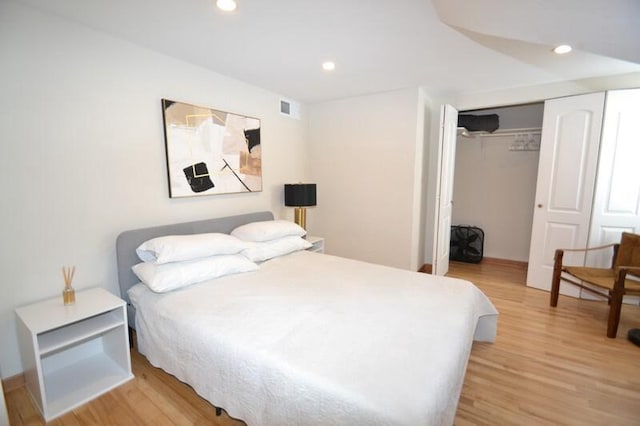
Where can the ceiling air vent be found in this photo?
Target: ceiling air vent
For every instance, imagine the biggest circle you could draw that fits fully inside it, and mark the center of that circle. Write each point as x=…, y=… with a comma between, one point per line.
x=290, y=108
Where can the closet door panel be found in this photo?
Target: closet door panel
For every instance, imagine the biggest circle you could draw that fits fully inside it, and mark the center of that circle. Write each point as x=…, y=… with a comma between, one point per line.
x=566, y=179
x=569, y=163
x=616, y=206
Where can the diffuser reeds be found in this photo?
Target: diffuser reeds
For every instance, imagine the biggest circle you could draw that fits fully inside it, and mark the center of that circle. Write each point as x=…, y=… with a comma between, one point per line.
x=68, y=294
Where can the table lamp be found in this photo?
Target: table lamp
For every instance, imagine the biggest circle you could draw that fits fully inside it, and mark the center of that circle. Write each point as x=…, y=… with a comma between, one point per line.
x=300, y=195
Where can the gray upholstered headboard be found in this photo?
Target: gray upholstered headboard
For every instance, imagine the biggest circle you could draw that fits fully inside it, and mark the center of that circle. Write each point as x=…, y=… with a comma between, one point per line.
x=128, y=241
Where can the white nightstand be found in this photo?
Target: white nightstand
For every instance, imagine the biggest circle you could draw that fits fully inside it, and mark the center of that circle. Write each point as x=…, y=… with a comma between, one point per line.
x=72, y=354
x=318, y=244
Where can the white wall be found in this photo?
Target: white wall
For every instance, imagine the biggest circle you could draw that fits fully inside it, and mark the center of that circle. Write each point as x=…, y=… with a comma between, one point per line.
x=420, y=212
x=4, y=416
x=522, y=95
x=363, y=157
x=83, y=154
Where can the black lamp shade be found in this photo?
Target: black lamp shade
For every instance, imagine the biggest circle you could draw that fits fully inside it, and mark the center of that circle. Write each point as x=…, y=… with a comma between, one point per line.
x=300, y=194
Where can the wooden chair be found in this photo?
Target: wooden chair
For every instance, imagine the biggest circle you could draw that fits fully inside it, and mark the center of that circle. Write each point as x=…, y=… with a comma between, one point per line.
x=611, y=283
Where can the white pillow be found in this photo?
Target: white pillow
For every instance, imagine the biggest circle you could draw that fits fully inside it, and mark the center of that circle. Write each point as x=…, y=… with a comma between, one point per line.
x=258, y=252
x=268, y=230
x=176, y=248
x=171, y=276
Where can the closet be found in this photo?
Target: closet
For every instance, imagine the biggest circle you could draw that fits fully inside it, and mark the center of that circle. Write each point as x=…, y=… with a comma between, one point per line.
x=582, y=188
x=495, y=179
x=588, y=182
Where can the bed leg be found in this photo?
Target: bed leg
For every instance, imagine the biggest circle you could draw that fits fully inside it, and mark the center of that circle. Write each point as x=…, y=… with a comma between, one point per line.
x=218, y=411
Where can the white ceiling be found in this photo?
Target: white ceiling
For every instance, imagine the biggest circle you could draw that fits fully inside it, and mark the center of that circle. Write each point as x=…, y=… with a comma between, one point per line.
x=447, y=46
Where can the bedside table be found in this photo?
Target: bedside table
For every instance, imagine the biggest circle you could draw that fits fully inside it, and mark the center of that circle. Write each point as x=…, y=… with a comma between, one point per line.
x=72, y=354
x=318, y=244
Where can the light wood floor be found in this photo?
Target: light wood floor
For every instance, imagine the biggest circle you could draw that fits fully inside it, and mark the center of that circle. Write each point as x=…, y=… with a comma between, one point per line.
x=547, y=367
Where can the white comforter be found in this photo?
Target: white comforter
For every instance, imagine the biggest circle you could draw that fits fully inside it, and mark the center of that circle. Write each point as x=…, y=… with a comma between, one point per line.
x=312, y=339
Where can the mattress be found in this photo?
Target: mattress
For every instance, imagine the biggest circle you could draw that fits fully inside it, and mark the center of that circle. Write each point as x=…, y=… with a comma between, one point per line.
x=313, y=339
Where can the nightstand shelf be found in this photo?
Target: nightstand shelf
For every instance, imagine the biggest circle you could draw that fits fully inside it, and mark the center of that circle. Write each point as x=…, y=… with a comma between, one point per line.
x=62, y=337
x=72, y=354
x=317, y=244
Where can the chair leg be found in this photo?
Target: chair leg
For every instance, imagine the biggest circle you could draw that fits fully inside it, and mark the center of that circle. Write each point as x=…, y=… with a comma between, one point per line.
x=614, y=313
x=617, y=294
x=555, y=282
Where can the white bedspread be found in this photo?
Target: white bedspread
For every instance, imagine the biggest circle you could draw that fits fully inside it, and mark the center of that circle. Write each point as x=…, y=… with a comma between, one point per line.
x=312, y=339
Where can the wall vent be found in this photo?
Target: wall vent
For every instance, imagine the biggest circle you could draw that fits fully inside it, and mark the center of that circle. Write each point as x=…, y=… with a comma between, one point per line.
x=290, y=108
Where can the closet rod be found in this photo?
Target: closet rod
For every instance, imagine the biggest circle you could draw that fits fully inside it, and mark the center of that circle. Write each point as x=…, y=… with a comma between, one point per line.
x=505, y=132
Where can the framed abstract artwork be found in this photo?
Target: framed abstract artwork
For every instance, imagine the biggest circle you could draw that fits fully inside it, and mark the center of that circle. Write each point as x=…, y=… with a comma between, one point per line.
x=210, y=151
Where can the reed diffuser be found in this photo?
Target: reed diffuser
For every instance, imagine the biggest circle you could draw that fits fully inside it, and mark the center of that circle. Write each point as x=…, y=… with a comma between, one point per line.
x=68, y=294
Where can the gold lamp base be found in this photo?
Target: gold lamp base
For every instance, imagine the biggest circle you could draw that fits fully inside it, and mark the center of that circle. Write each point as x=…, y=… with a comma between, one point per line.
x=300, y=217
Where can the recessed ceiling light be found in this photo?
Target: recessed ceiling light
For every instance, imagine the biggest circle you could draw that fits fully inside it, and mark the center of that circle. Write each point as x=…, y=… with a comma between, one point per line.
x=226, y=5
x=328, y=66
x=562, y=49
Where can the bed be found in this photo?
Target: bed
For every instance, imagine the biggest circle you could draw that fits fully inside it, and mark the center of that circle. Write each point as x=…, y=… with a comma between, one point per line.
x=309, y=338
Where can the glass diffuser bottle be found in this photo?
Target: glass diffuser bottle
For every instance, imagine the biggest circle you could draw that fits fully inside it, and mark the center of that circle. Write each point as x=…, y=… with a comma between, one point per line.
x=68, y=294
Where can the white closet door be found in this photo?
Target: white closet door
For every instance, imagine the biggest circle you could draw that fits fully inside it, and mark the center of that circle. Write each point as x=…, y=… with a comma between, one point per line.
x=566, y=179
x=616, y=205
x=444, y=188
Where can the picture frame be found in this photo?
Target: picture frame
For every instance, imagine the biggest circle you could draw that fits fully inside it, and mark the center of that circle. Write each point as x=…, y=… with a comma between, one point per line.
x=209, y=151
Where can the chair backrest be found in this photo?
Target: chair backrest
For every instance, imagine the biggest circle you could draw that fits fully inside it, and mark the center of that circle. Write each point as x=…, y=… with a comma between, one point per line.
x=629, y=251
